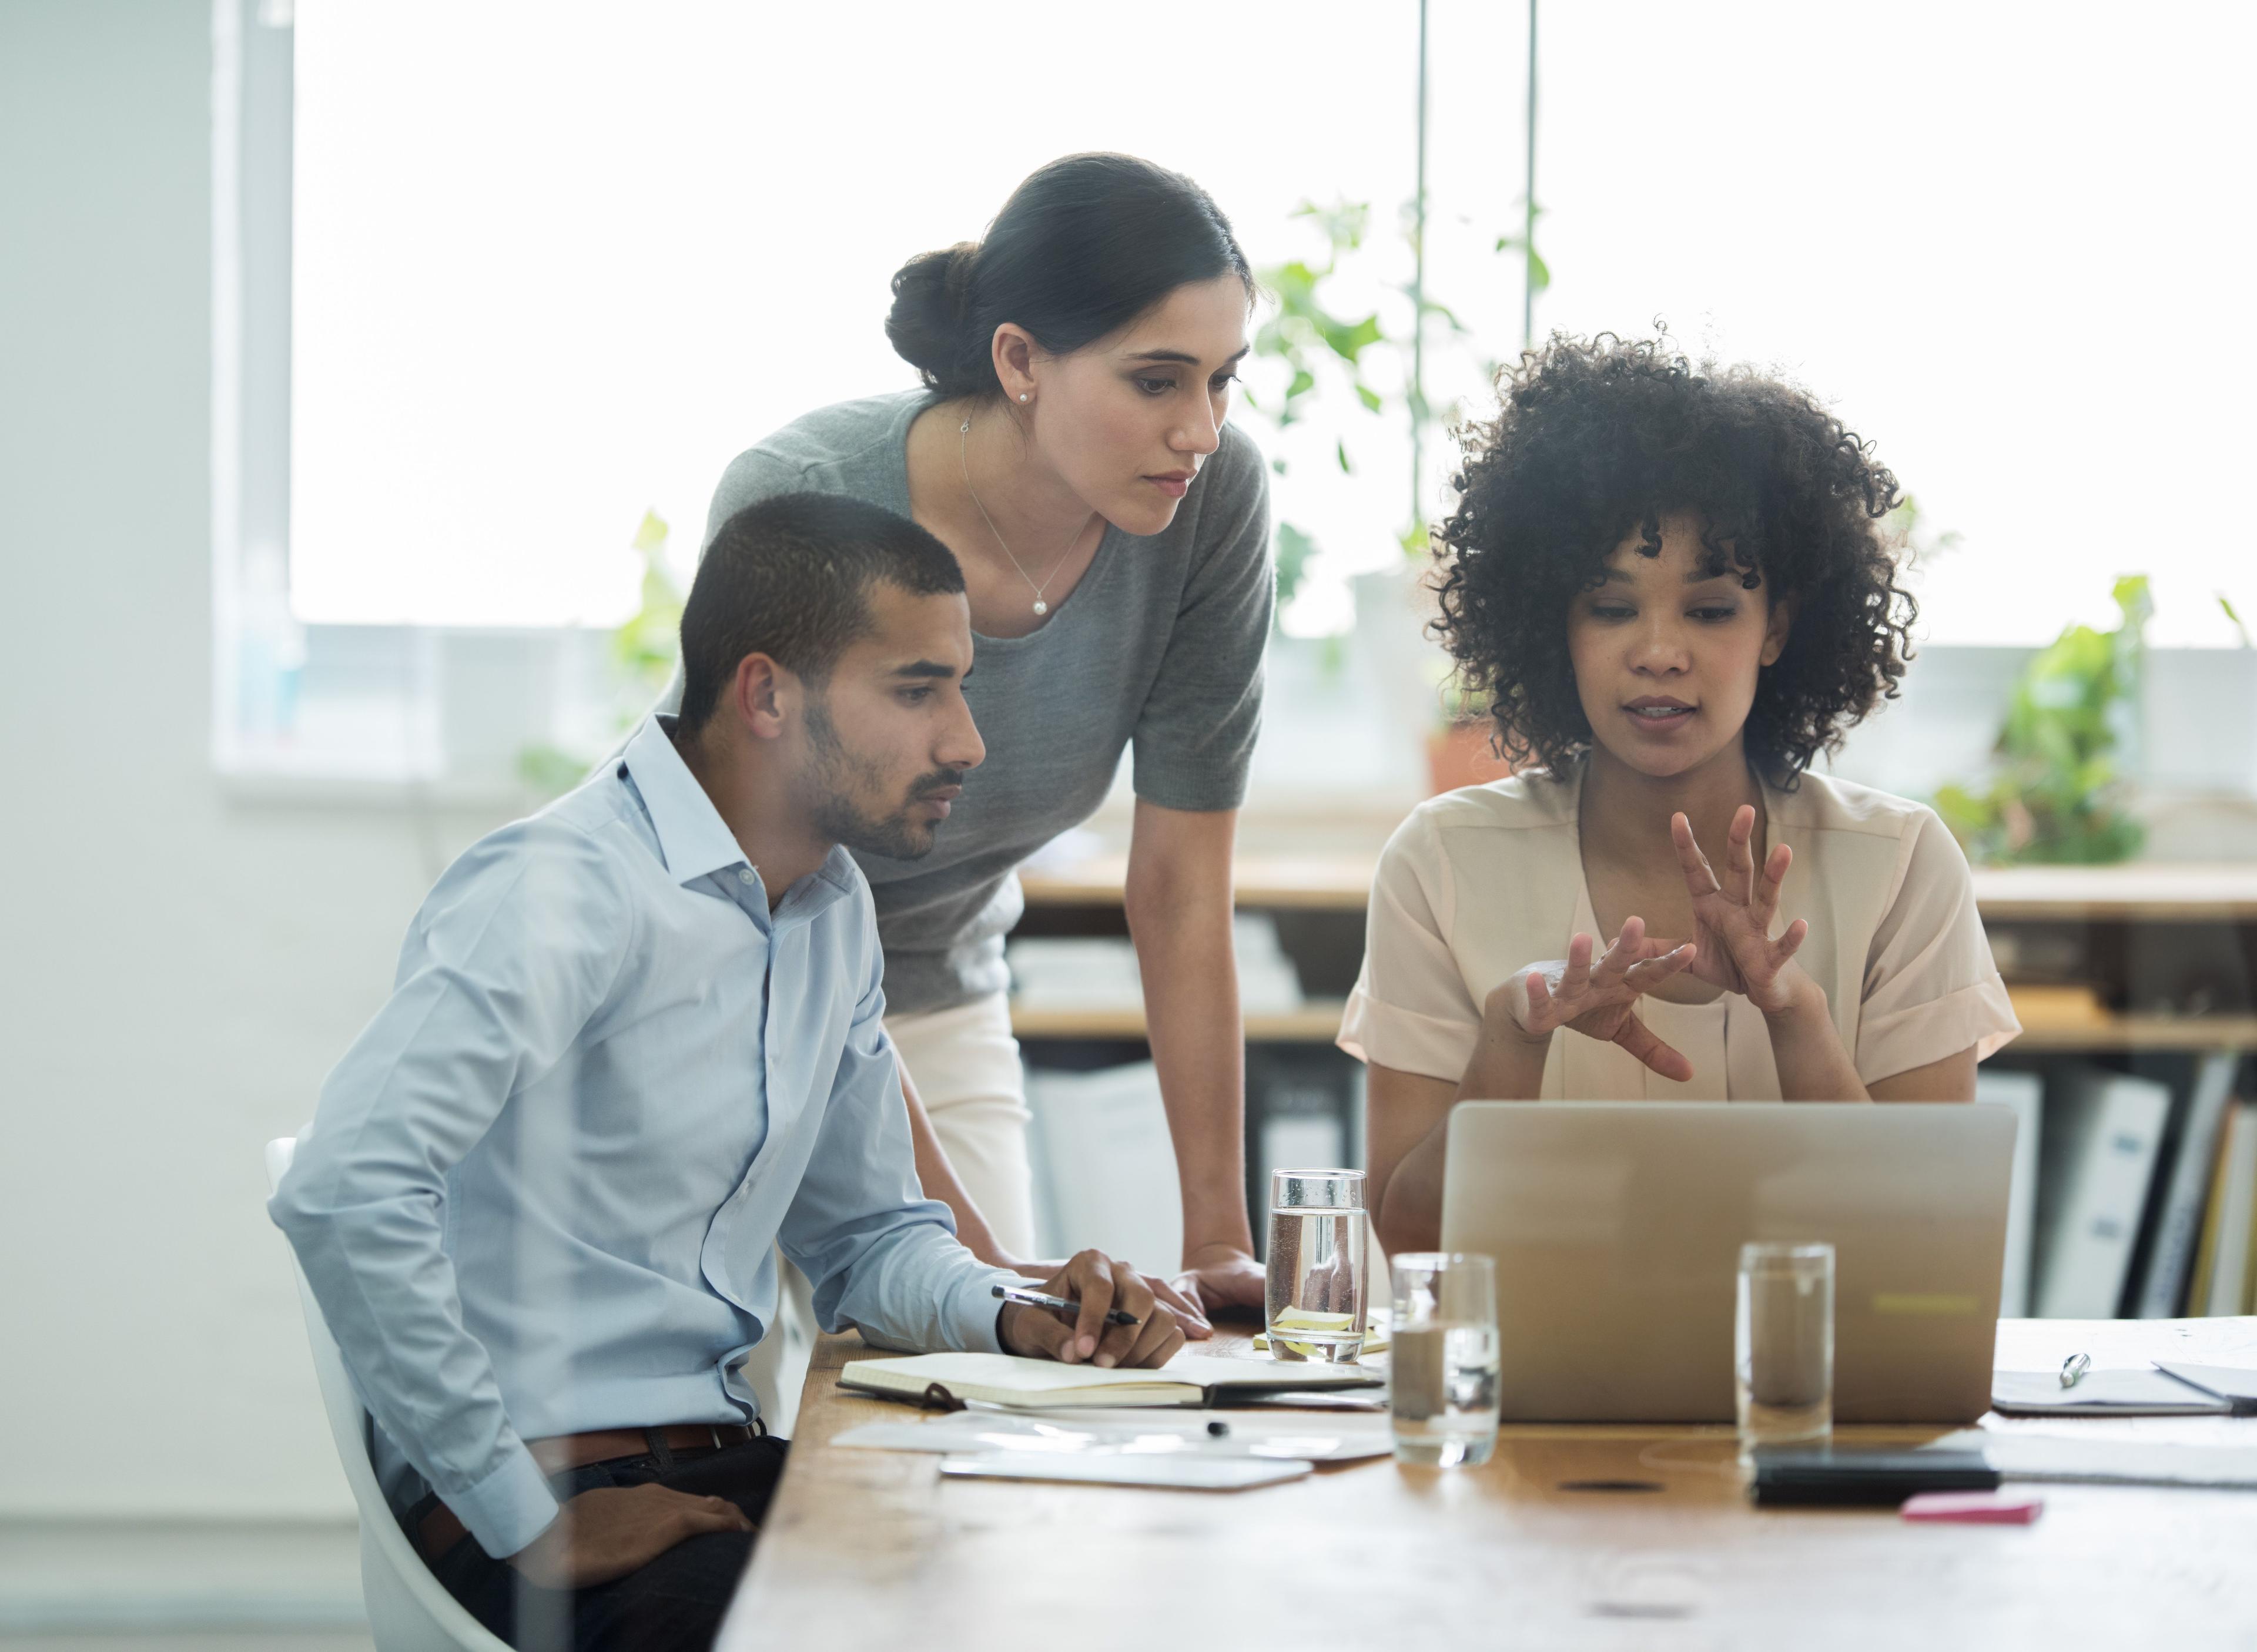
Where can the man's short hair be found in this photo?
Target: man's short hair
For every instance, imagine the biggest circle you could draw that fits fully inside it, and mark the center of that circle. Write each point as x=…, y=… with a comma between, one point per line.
x=789, y=576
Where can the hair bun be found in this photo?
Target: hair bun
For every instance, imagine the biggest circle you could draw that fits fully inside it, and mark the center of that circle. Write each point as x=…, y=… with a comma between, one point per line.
x=927, y=322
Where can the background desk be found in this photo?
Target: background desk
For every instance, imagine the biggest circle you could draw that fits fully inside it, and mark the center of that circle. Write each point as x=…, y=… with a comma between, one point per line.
x=872, y=1549
x=2147, y=970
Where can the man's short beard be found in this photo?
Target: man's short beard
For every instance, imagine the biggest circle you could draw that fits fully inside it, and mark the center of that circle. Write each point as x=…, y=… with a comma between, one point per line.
x=837, y=774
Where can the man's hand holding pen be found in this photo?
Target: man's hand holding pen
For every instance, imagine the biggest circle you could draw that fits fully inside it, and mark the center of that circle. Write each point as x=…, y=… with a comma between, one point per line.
x=1099, y=1294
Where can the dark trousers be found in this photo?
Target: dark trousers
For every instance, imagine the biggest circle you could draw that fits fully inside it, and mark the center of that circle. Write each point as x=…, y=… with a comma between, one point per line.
x=673, y=1604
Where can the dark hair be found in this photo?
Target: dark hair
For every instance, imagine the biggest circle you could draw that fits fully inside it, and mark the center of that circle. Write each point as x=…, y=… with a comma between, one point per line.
x=1596, y=437
x=790, y=578
x=1082, y=248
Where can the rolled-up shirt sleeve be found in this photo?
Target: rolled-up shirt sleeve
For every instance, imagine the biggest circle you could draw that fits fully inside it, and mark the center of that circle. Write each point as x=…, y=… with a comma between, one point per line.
x=513, y=954
x=1931, y=987
x=1410, y=1009
x=880, y=1256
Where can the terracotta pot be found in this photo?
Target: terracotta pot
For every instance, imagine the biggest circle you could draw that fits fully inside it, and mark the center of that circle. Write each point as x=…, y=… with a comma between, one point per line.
x=1460, y=755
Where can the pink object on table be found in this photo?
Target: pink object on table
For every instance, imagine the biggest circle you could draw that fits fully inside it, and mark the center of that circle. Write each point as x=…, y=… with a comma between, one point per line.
x=1977, y=1508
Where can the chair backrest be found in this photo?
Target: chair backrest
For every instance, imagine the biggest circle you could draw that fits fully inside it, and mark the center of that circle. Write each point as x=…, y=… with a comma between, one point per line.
x=408, y=1610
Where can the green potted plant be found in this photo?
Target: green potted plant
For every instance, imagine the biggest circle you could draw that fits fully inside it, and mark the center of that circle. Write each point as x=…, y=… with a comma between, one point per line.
x=2057, y=792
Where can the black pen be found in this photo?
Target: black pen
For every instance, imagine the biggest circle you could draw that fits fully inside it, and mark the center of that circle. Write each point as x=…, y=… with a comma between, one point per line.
x=1035, y=1299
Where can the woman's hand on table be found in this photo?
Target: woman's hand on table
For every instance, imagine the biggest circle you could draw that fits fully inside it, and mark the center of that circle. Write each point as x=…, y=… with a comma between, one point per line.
x=1734, y=913
x=1220, y=1276
x=1596, y=999
x=1099, y=1285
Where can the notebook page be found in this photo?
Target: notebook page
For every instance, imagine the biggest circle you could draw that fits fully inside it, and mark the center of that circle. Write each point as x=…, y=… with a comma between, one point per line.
x=1009, y=1380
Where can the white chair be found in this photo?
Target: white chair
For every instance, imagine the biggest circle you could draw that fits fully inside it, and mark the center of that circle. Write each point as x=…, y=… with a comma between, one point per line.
x=408, y=1611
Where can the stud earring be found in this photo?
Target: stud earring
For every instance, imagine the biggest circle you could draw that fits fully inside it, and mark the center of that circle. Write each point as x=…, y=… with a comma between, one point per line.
x=1023, y=395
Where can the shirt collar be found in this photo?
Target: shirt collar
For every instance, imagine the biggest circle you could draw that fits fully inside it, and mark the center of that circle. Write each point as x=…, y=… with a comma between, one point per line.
x=693, y=839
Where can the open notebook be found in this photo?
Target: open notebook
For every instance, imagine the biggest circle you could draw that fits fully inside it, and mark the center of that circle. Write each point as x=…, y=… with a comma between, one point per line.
x=1001, y=1379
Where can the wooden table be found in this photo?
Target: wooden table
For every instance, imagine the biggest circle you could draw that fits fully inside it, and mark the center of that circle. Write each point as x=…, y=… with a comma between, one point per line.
x=871, y=1548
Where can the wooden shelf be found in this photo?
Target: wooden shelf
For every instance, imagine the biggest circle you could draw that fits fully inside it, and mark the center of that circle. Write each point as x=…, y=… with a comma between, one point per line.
x=2117, y=895
x=1330, y=883
x=2143, y=1032
x=2052, y=1018
x=1316, y=1023
x=2068, y=1018
x=2187, y=893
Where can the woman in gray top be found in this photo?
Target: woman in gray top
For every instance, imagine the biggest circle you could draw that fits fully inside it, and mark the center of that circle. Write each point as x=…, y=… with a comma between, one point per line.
x=1069, y=446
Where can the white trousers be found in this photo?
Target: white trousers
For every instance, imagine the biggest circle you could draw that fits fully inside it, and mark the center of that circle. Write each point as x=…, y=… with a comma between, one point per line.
x=965, y=1064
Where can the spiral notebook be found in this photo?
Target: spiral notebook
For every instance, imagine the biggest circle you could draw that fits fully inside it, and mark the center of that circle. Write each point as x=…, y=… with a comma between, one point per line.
x=2101, y=1393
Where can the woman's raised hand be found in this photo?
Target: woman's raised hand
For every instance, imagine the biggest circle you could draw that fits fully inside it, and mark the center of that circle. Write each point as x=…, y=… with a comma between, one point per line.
x=1596, y=999
x=1733, y=914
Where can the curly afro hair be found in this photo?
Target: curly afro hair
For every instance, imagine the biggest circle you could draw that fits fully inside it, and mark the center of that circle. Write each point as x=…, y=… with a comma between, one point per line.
x=1595, y=437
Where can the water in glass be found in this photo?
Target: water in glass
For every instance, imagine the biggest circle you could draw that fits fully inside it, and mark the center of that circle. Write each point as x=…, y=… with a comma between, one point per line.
x=1316, y=1266
x=1442, y=1381
x=1783, y=1344
x=1442, y=1388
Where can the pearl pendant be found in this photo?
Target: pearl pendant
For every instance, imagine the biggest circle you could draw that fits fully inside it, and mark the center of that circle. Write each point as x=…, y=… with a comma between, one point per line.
x=1041, y=607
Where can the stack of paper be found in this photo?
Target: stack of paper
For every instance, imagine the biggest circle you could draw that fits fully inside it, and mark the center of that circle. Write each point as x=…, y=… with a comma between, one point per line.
x=1187, y=1450
x=2104, y=1451
x=1099, y=972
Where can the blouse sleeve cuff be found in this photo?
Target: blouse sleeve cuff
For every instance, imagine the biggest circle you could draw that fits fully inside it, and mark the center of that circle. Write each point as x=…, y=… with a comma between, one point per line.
x=1405, y=1040
x=1981, y=1015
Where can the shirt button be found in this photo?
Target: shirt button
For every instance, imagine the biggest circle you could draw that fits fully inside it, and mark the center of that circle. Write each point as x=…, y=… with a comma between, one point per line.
x=744, y=874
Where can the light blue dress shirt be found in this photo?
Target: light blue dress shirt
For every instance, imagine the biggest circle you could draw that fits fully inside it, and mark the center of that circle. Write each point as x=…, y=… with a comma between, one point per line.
x=542, y=1191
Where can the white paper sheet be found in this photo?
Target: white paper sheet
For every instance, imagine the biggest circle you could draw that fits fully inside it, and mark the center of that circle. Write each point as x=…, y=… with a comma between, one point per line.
x=1095, y=1433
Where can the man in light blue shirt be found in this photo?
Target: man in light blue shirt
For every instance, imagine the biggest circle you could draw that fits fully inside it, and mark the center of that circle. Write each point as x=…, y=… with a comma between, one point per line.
x=634, y=1046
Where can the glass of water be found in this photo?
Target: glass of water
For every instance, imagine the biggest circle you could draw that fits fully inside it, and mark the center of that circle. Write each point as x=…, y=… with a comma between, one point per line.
x=1316, y=1283
x=1443, y=1359
x=1783, y=1344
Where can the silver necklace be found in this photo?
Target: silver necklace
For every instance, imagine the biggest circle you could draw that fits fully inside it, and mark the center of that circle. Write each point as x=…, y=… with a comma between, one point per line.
x=963, y=434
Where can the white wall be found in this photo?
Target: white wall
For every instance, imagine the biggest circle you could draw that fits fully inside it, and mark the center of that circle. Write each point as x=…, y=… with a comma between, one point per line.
x=176, y=972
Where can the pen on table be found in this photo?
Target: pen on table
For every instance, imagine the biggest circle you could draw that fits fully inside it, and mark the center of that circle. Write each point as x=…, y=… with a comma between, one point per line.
x=1059, y=1304
x=2073, y=1368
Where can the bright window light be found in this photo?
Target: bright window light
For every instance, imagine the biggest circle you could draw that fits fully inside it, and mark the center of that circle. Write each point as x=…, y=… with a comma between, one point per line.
x=2010, y=243
x=556, y=264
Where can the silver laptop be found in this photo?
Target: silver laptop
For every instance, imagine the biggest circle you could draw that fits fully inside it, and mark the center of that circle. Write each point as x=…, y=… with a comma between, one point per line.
x=1616, y=1228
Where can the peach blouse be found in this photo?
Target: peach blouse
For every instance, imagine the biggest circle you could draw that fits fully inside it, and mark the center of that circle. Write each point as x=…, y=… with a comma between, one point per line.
x=1480, y=882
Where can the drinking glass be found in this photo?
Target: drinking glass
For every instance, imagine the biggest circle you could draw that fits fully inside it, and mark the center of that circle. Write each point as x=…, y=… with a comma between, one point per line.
x=1783, y=1344
x=1442, y=1387
x=1317, y=1238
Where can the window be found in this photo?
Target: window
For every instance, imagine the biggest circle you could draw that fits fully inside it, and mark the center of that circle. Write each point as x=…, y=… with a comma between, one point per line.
x=557, y=265
x=551, y=266
x=2006, y=241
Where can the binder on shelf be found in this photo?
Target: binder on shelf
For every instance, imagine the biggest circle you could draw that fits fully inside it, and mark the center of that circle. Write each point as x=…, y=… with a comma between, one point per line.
x=2025, y=1093
x=2103, y=1131
x=2226, y=1276
x=2205, y=1250
x=2184, y=1190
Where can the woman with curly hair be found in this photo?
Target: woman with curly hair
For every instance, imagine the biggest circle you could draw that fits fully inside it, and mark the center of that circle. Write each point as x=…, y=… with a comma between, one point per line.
x=1674, y=588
